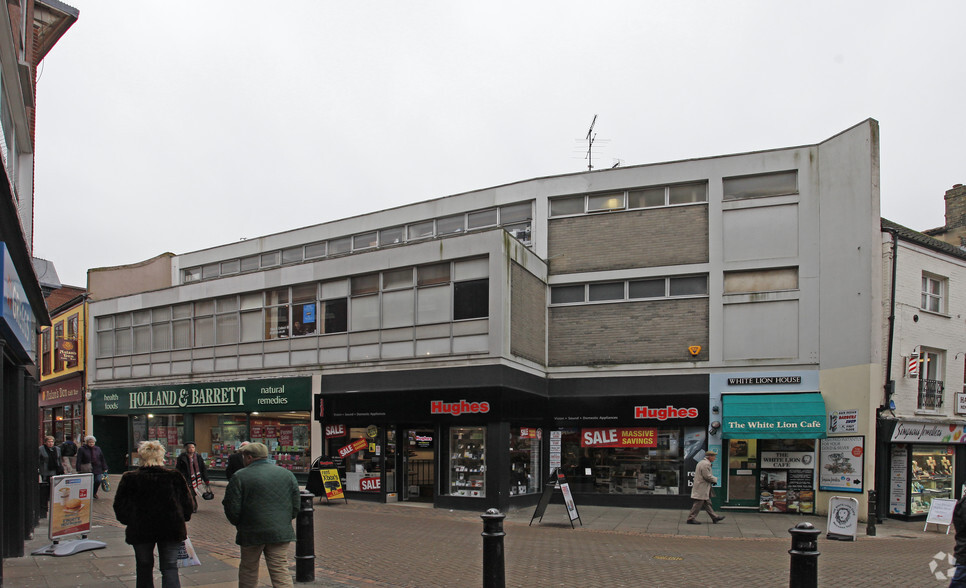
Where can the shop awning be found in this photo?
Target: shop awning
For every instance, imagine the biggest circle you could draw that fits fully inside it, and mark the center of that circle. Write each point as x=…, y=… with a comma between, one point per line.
x=773, y=416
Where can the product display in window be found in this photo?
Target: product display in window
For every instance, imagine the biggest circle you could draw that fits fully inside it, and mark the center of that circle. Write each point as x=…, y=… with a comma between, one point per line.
x=467, y=472
x=932, y=477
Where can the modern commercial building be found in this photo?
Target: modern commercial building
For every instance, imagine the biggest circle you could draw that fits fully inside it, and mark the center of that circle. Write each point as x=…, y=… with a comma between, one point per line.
x=28, y=31
x=611, y=325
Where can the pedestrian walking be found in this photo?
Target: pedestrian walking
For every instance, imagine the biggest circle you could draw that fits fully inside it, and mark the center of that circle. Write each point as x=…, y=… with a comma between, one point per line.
x=261, y=501
x=90, y=459
x=192, y=467
x=702, y=488
x=48, y=465
x=68, y=450
x=235, y=461
x=154, y=503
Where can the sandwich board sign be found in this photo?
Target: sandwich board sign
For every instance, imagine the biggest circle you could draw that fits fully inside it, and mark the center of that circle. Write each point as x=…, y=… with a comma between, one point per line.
x=940, y=513
x=69, y=514
x=557, y=480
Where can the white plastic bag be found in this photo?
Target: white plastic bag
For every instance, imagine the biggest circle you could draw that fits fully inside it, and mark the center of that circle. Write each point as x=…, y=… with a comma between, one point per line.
x=187, y=555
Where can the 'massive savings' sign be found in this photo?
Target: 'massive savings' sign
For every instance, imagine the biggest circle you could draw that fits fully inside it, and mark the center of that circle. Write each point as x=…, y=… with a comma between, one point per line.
x=618, y=437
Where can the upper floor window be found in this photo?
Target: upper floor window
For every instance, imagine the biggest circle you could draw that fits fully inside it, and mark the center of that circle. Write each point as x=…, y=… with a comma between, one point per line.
x=931, y=384
x=774, y=184
x=933, y=293
x=647, y=197
x=765, y=280
x=663, y=287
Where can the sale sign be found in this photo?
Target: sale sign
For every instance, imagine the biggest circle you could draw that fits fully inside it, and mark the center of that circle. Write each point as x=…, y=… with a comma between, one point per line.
x=618, y=437
x=353, y=447
x=370, y=484
x=334, y=431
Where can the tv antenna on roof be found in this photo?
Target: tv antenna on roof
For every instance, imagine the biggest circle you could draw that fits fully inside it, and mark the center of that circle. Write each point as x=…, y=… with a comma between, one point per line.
x=591, y=135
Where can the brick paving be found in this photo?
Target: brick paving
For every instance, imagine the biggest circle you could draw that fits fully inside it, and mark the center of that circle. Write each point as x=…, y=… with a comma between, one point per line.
x=376, y=545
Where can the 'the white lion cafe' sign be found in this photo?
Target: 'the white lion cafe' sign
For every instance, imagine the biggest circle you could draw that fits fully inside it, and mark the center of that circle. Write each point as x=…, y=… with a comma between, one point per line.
x=906, y=432
x=198, y=397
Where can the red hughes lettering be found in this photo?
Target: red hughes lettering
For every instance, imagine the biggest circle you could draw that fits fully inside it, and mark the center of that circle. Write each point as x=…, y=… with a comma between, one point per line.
x=663, y=414
x=458, y=408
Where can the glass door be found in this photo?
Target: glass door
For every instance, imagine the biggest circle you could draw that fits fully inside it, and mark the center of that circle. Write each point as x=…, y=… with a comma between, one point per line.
x=418, y=464
x=743, y=472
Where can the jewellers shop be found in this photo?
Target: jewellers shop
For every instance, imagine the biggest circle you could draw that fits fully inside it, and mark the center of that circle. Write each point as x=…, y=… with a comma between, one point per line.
x=466, y=438
x=926, y=461
x=767, y=429
x=215, y=416
x=629, y=441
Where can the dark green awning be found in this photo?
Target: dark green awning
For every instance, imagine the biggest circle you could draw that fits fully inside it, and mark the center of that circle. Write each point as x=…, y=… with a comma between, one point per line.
x=773, y=416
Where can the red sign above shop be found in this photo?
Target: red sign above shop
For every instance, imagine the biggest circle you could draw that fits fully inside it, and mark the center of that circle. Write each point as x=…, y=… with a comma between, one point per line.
x=618, y=437
x=67, y=392
x=664, y=413
x=353, y=447
x=458, y=408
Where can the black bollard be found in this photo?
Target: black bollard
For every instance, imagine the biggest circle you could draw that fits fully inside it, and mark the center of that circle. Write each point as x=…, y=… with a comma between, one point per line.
x=494, y=574
x=804, y=552
x=873, y=514
x=305, y=540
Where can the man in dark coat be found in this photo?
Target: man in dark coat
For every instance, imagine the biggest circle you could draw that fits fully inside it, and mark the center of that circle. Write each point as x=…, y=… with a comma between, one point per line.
x=235, y=461
x=959, y=523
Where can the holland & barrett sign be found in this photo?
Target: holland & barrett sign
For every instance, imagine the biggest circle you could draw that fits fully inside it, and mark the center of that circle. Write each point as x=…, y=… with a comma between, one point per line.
x=239, y=396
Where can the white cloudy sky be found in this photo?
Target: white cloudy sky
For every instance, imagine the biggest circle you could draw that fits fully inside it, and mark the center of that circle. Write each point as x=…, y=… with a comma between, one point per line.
x=177, y=125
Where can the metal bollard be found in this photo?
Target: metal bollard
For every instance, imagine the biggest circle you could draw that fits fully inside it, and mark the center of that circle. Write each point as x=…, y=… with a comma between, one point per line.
x=873, y=514
x=804, y=565
x=305, y=540
x=494, y=573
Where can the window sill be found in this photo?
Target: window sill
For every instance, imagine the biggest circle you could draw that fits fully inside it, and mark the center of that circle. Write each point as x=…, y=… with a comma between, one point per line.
x=934, y=313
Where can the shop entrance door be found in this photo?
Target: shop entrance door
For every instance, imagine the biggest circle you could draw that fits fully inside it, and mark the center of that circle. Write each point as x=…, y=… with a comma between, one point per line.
x=743, y=473
x=418, y=451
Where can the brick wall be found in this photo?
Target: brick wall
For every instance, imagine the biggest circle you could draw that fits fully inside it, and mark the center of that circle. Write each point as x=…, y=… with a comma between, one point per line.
x=637, y=238
x=528, y=315
x=956, y=207
x=630, y=332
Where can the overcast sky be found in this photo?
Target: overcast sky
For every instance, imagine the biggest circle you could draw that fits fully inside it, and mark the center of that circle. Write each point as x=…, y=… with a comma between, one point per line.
x=177, y=126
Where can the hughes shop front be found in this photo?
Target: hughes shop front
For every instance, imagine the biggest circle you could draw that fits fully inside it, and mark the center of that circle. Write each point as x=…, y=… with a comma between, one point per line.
x=766, y=427
x=423, y=441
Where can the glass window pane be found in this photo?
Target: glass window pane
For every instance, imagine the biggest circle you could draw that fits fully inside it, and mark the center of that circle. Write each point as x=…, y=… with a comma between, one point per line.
x=230, y=267
x=609, y=291
x=141, y=317
x=204, y=331
x=689, y=286
x=471, y=299
x=210, y=271
x=161, y=337
x=181, y=334
x=341, y=245
x=366, y=284
x=276, y=322
x=335, y=289
x=304, y=293
x=645, y=198
x=401, y=278
x=482, y=218
x=181, y=311
x=122, y=342
x=293, y=255
x=105, y=323
x=647, y=288
x=268, y=259
x=251, y=326
x=249, y=264
x=105, y=344
x=192, y=274
x=432, y=274
x=449, y=224
x=397, y=309
x=204, y=307
x=569, y=205
x=432, y=305
x=520, y=232
x=315, y=250
x=365, y=240
x=227, y=328
x=605, y=202
x=161, y=314
x=686, y=193
x=226, y=304
x=566, y=294
x=122, y=320
x=365, y=313
x=251, y=300
x=515, y=213
x=468, y=269
x=336, y=316
x=142, y=339
x=391, y=236
x=420, y=230
x=276, y=296
x=763, y=185
x=304, y=319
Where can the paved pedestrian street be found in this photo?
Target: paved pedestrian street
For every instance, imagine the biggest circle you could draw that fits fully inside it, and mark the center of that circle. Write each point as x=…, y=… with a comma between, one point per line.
x=368, y=544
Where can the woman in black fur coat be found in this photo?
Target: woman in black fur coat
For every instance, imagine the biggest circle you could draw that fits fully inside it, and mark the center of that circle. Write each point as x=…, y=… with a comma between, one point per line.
x=154, y=503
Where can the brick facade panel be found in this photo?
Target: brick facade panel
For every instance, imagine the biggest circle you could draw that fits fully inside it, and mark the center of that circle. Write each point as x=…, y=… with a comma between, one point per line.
x=528, y=322
x=621, y=240
x=628, y=333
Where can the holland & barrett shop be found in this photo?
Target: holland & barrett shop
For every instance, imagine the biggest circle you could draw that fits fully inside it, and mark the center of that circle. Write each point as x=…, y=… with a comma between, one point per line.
x=215, y=416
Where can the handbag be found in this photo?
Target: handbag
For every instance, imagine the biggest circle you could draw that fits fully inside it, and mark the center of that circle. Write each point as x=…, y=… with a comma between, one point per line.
x=207, y=494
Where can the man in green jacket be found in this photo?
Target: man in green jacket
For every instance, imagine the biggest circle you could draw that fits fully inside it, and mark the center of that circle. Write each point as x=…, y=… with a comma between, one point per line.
x=261, y=501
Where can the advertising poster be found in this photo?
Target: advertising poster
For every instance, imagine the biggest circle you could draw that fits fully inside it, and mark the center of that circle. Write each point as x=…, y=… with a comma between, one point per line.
x=286, y=436
x=555, y=446
x=898, y=480
x=843, y=421
x=70, y=505
x=332, y=483
x=353, y=447
x=840, y=464
x=618, y=437
x=568, y=497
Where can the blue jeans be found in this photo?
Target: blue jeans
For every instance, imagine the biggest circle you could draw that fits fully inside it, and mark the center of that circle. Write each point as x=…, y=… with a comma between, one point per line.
x=959, y=578
x=167, y=561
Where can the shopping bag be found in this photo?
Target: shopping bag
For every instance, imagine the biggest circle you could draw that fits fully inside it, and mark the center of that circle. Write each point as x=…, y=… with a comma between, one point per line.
x=105, y=484
x=186, y=555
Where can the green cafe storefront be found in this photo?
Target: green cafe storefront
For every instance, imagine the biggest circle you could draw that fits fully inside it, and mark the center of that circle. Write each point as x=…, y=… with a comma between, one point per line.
x=215, y=416
x=768, y=425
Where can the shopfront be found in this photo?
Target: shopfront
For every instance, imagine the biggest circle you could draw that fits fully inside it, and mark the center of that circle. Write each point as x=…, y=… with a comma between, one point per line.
x=217, y=417
x=770, y=427
x=468, y=449
x=923, y=460
x=62, y=409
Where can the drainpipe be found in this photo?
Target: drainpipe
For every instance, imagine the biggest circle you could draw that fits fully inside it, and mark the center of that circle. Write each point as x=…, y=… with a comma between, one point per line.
x=882, y=444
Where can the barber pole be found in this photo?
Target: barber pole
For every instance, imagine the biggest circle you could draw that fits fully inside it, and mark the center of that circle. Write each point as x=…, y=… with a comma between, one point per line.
x=912, y=369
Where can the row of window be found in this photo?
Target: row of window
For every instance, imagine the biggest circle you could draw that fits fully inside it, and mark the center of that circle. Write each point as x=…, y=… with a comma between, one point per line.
x=514, y=218
x=756, y=186
x=403, y=297
x=668, y=287
x=54, y=349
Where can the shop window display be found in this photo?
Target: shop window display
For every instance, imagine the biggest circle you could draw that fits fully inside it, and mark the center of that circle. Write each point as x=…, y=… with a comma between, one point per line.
x=467, y=464
x=364, y=459
x=594, y=463
x=932, y=476
x=787, y=475
x=165, y=429
x=285, y=434
x=525, y=475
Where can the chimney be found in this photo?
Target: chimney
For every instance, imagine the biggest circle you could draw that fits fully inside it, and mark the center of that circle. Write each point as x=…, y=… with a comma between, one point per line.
x=956, y=207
